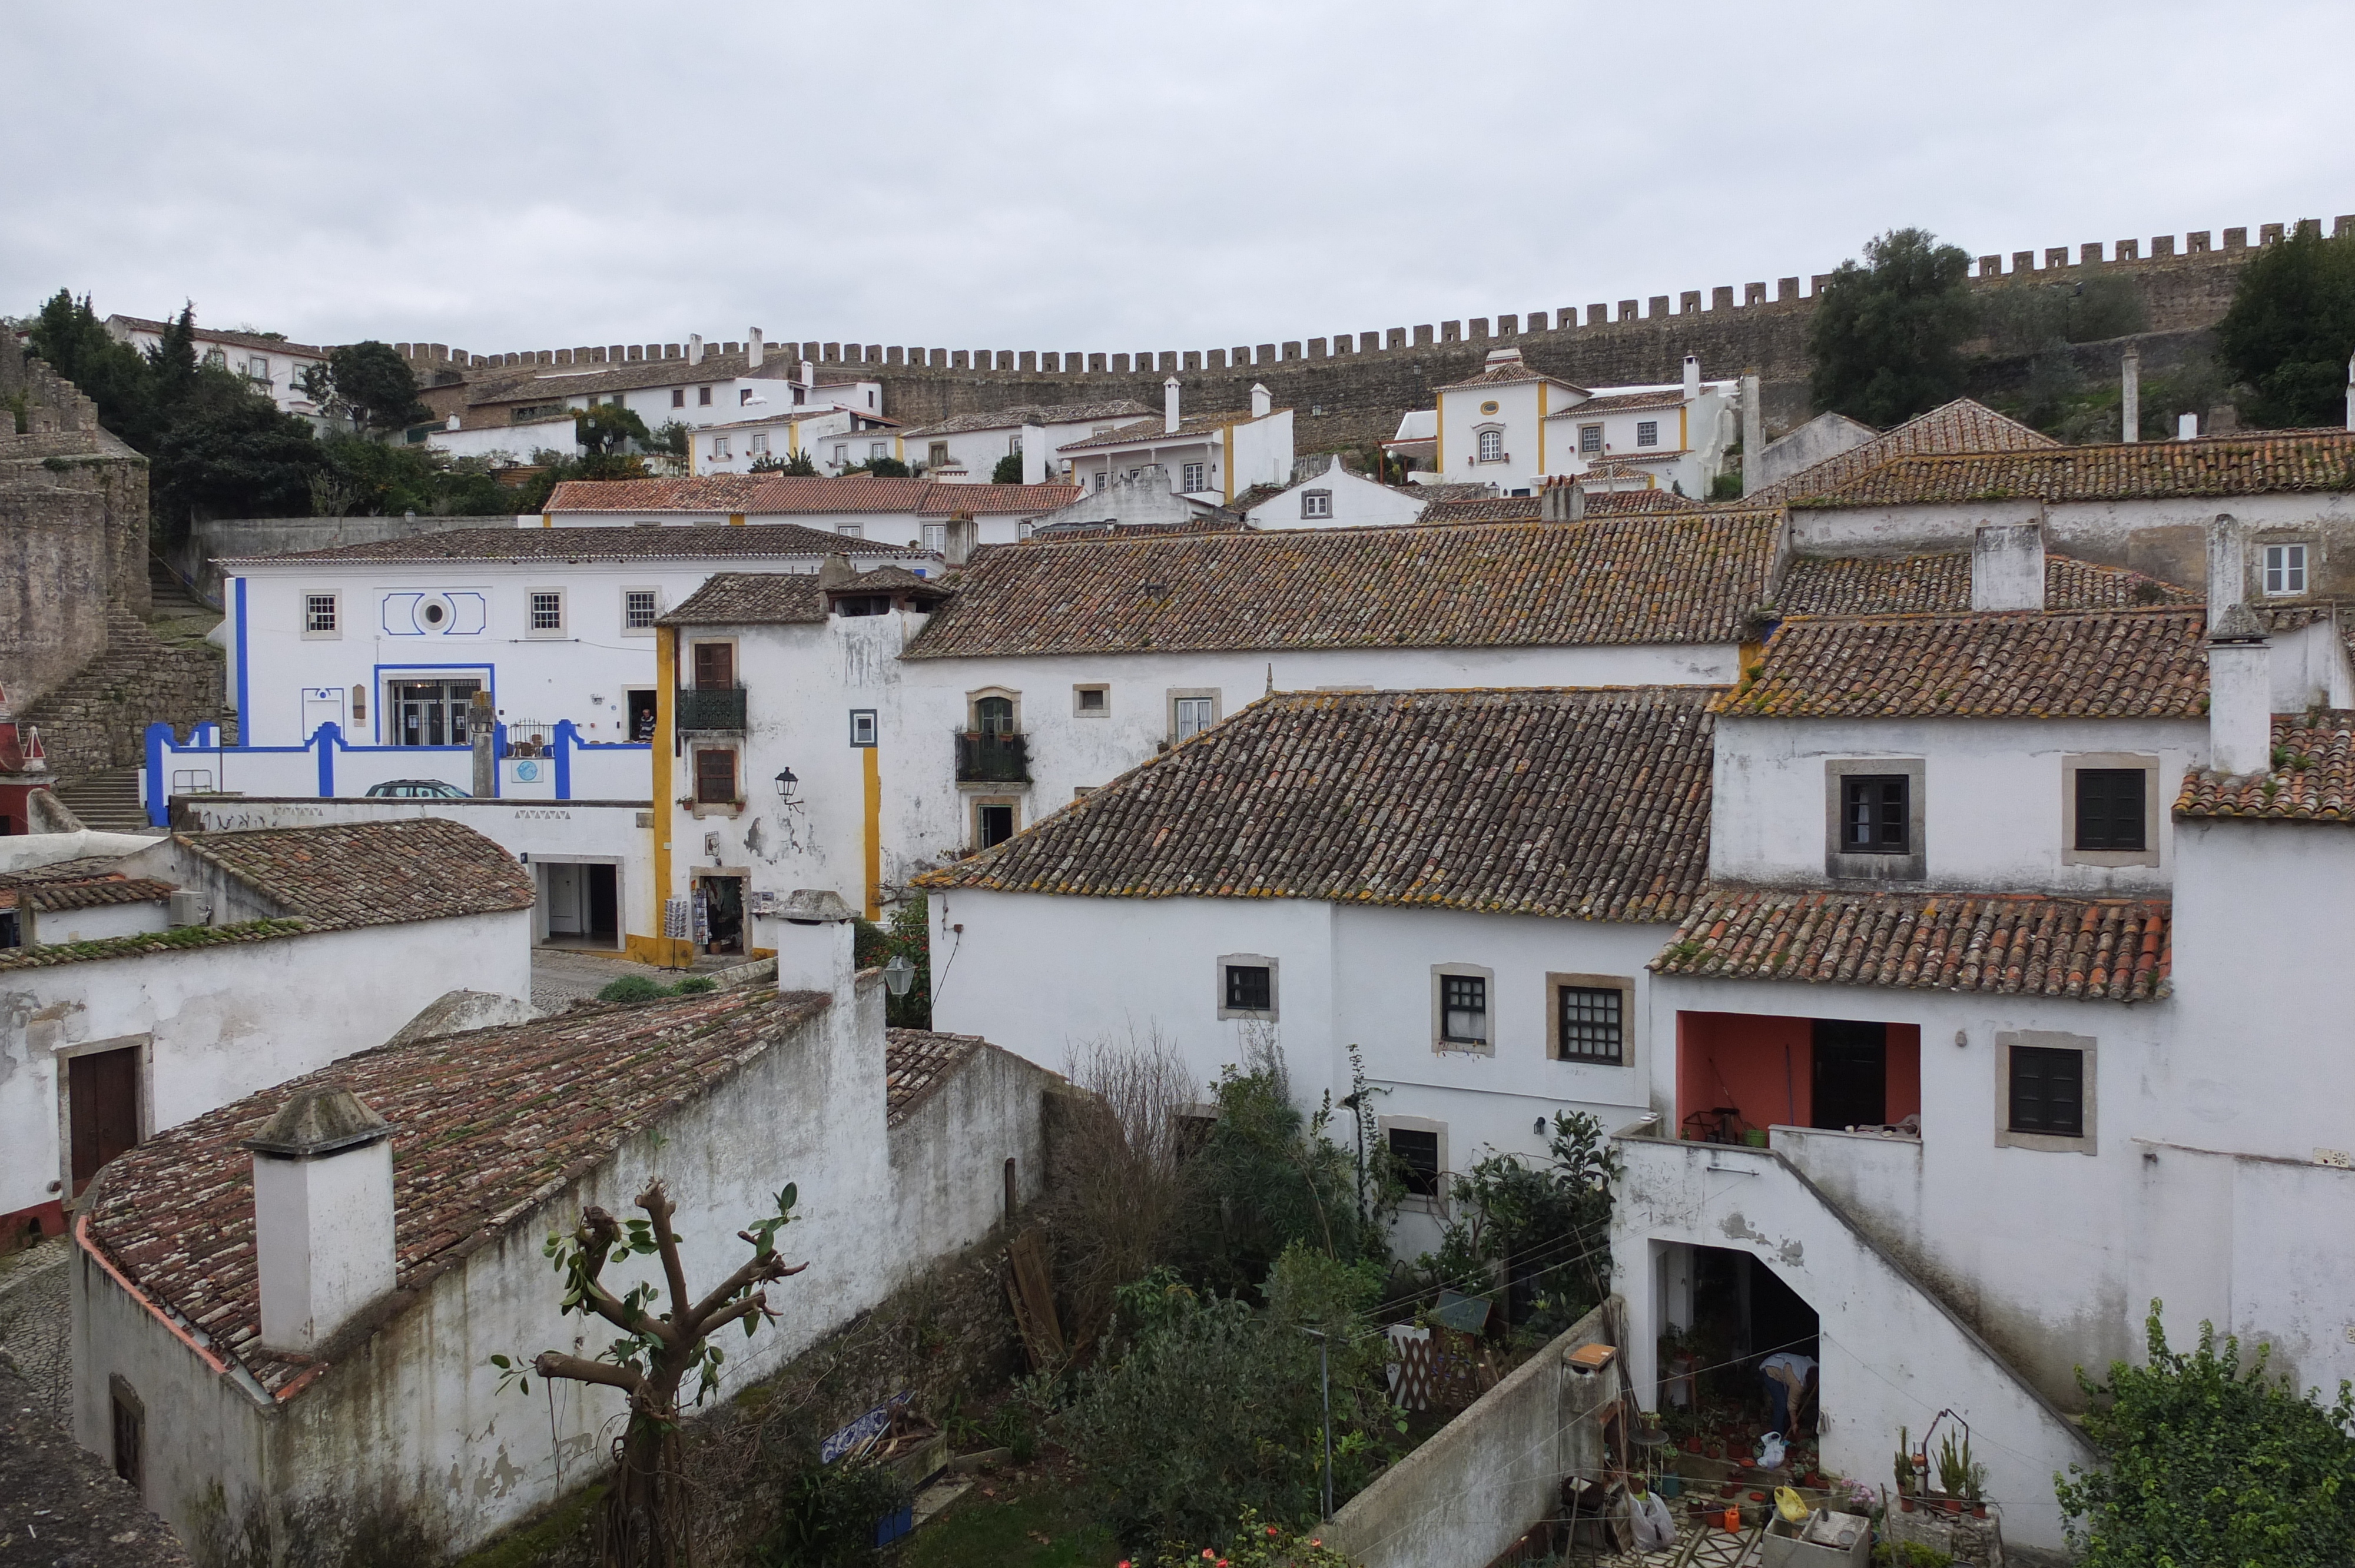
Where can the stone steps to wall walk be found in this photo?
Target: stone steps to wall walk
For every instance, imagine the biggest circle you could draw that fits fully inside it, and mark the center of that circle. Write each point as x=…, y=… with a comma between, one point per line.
x=108, y=801
x=98, y=719
x=172, y=599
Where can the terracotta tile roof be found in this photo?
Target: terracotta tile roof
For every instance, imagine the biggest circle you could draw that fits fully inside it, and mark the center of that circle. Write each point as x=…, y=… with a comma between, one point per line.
x=371, y=874
x=1216, y=520
x=1505, y=373
x=1455, y=490
x=1529, y=508
x=51, y=896
x=2263, y=464
x=145, y=942
x=2003, y=943
x=1585, y=804
x=1622, y=403
x=751, y=599
x=995, y=500
x=487, y=1126
x=1149, y=432
x=1674, y=578
x=1961, y=426
x=666, y=542
x=1123, y=409
x=1877, y=585
x=918, y=1060
x=2313, y=779
x=2119, y=663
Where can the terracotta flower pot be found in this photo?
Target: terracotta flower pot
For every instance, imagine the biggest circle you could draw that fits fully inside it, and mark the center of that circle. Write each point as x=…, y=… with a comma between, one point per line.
x=1905, y=1502
x=1978, y=1509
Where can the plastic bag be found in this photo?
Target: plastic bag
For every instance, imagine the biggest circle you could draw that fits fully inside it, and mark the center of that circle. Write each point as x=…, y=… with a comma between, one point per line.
x=1770, y=1451
x=1790, y=1504
x=1656, y=1527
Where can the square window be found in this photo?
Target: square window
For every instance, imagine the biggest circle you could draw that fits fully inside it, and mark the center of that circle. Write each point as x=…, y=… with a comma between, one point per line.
x=1192, y=716
x=1316, y=503
x=1192, y=478
x=756, y=443
x=851, y=530
x=936, y=536
x=703, y=396
x=1091, y=701
x=2048, y=1091
x=862, y=726
x=1648, y=432
x=937, y=455
x=2110, y=809
x=715, y=776
x=1592, y=1025
x=1414, y=1154
x=547, y=611
x=877, y=450
x=1590, y=439
x=1464, y=1009
x=678, y=397
x=743, y=396
x=639, y=607
x=1248, y=987
x=719, y=449
x=2285, y=569
x=318, y=614
x=1875, y=814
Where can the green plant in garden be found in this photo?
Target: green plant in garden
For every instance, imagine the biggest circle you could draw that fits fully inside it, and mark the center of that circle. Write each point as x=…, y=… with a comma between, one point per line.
x=1542, y=1226
x=2209, y=1463
x=908, y=932
x=1267, y=1176
x=826, y=1513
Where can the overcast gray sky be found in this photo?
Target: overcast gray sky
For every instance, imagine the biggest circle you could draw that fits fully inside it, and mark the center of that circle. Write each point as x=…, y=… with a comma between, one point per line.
x=1111, y=177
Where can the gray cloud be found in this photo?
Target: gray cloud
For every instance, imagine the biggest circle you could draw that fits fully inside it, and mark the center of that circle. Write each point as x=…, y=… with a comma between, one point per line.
x=1102, y=177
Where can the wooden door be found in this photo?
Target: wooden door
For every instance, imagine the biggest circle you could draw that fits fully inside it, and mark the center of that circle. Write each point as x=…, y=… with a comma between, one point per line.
x=102, y=1095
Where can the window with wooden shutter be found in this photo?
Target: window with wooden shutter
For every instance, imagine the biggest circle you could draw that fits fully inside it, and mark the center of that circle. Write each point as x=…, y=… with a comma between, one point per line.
x=714, y=665
x=715, y=776
x=2048, y=1091
x=2110, y=809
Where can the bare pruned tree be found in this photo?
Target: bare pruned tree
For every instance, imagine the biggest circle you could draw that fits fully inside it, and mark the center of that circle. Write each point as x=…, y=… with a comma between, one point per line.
x=1117, y=1193
x=647, y=1522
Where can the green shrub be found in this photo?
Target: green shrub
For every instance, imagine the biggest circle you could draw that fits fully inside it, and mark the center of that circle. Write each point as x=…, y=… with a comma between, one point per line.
x=633, y=988
x=2208, y=1464
x=827, y=1515
x=695, y=985
x=1267, y=1176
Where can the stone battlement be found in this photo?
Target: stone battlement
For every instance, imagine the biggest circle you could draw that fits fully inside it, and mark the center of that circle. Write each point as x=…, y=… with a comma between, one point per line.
x=2126, y=256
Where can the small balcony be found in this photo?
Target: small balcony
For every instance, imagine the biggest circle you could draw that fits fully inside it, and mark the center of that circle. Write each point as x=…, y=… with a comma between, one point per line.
x=711, y=709
x=988, y=757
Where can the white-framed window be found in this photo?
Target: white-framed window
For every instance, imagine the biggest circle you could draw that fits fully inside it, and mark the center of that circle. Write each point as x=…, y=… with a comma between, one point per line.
x=258, y=368
x=851, y=530
x=546, y=618
x=719, y=451
x=862, y=728
x=877, y=450
x=1191, y=477
x=217, y=356
x=1316, y=503
x=1590, y=439
x=1492, y=446
x=936, y=536
x=938, y=454
x=1191, y=711
x=2285, y=569
x=639, y=607
x=1104, y=476
x=756, y=444
x=842, y=451
x=1648, y=432
x=323, y=615
x=1023, y=529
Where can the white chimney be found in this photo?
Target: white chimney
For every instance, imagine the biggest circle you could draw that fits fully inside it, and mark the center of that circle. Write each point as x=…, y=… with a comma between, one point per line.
x=1260, y=401
x=2187, y=427
x=2008, y=567
x=695, y=349
x=2240, y=660
x=960, y=539
x=816, y=933
x=1753, y=434
x=1170, y=390
x=1034, y=454
x=752, y=350
x=809, y=375
x=1692, y=377
x=321, y=1216
x=2130, y=396
x=1562, y=501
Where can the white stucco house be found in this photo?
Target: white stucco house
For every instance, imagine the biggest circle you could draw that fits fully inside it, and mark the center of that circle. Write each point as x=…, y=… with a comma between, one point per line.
x=920, y=720
x=1514, y=426
x=1208, y=457
x=1327, y=495
x=708, y=384
x=294, y=1299
x=911, y=512
x=272, y=365
x=835, y=438
x=967, y=448
x=141, y=990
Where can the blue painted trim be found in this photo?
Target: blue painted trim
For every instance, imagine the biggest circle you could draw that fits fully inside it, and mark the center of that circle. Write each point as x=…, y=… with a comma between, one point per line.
x=498, y=755
x=158, y=736
x=326, y=737
x=244, y=665
x=567, y=737
x=490, y=672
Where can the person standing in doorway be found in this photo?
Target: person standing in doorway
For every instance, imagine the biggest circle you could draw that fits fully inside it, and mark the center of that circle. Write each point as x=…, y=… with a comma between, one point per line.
x=1790, y=1380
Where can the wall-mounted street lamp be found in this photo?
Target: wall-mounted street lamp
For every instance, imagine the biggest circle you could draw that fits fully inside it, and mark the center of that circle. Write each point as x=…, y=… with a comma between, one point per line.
x=898, y=975
x=788, y=786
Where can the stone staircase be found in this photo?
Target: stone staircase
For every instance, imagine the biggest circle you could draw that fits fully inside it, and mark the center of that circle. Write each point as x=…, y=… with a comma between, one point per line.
x=171, y=599
x=108, y=801
x=98, y=719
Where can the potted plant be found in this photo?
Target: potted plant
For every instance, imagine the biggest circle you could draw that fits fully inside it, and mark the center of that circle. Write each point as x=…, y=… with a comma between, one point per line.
x=1974, y=1486
x=1954, y=1471
x=1903, y=1469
